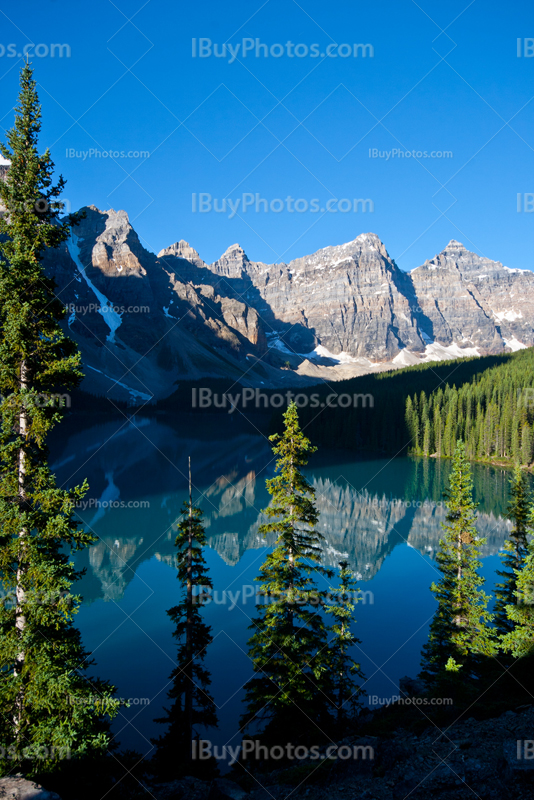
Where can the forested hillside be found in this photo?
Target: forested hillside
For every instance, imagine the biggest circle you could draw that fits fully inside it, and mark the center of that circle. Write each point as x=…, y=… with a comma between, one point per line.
x=374, y=421
x=493, y=413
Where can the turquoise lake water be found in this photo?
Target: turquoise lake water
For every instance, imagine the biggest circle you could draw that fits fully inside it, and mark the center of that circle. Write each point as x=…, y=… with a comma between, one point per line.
x=382, y=515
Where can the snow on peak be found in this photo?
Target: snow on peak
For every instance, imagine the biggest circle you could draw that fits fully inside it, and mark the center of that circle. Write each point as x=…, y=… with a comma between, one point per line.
x=369, y=238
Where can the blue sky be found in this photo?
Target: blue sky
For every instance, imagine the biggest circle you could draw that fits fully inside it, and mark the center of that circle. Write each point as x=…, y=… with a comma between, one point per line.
x=442, y=77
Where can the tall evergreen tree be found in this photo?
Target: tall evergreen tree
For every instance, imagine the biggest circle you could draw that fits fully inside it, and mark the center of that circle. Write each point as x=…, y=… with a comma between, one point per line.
x=289, y=693
x=459, y=631
x=515, y=550
x=192, y=703
x=345, y=673
x=526, y=444
x=49, y=706
x=519, y=641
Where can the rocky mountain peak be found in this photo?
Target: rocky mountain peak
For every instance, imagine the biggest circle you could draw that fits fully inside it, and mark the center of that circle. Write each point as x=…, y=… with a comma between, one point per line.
x=235, y=251
x=232, y=263
x=111, y=214
x=182, y=249
x=369, y=239
x=109, y=244
x=348, y=305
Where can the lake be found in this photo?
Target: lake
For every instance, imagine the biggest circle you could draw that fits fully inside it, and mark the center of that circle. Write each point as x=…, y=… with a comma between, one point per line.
x=382, y=515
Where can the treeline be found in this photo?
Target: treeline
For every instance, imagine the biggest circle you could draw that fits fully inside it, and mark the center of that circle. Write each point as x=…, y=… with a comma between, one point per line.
x=493, y=414
x=375, y=421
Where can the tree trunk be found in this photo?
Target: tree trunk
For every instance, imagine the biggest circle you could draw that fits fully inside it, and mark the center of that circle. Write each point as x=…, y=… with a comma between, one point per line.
x=340, y=715
x=189, y=624
x=20, y=592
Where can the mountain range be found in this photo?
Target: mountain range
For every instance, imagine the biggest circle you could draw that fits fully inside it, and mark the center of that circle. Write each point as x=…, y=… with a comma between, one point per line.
x=146, y=322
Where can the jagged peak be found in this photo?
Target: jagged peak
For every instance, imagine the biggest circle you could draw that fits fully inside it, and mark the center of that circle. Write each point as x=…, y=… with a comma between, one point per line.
x=234, y=248
x=449, y=258
x=363, y=238
x=110, y=212
x=182, y=249
x=177, y=248
x=369, y=238
x=233, y=253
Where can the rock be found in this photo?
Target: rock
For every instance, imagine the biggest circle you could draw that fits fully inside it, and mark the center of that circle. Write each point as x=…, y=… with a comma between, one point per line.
x=342, y=311
x=519, y=755
x=273, y=792
x=411, y=687
x=182, y=249
x=223, y=789
x=188, y=788
x=362, y=760
x=348, y=298
x=470, y=298
x=18, y=788
x=164, y=328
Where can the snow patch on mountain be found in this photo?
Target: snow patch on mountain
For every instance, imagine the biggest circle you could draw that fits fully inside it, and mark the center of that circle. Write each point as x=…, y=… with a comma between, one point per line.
x=509, y=316
x=109, y=315
x=515, y=345
x=434, y=352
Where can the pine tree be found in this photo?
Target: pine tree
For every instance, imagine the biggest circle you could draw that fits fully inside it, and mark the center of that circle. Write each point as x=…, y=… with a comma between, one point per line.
x=515, y=550
x=49, y=707
x=192, y=703
x=412, y=424
x=289, y=693
x=459, y=631
x=427, y=439
x=344, y=671
x=526, y=444
x=519, y=641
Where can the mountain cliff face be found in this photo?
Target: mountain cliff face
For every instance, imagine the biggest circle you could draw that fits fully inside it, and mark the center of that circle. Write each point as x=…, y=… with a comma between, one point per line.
x=139, y=327
x=145, y=322
x=469, y=299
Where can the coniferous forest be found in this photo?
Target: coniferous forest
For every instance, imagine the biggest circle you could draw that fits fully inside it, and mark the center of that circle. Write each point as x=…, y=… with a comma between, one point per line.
x=493, y=414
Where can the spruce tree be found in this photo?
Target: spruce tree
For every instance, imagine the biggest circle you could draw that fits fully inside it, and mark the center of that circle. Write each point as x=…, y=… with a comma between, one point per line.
x=50, y=708
x=192, y=703
x=345, y=673
x=459, y=632
x=289, y=693
x=515, y=550
x=519, y=641
x=526, y=444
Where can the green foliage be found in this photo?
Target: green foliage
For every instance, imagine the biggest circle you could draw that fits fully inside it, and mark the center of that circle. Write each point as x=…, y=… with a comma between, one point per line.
x=520, y=639
x=452, y=666
x=515, y=550
x=344, y=671
x=192, y=703
x=493, y=414
x=291, y=689
x=375, y=421
x=50, y=709
x=459, y=633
